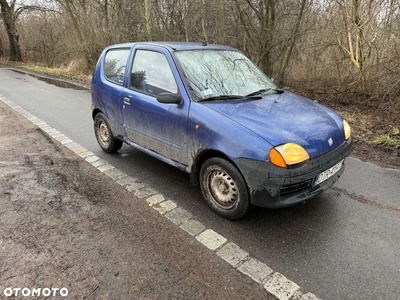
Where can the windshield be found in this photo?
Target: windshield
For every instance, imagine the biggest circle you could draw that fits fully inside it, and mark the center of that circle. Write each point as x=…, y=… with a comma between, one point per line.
x=215, y=73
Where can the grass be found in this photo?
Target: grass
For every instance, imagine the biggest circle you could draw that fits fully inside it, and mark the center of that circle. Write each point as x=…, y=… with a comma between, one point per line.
x=389, y=139
x=65, y=72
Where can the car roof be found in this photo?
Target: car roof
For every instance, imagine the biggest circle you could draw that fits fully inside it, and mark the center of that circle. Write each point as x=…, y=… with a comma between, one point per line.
x=176, y=46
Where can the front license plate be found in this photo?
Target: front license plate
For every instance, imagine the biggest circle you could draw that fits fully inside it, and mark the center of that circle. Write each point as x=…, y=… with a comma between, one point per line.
x=329, y=173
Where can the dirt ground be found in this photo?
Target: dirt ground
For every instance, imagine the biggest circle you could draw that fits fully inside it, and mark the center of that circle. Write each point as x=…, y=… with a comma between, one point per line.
x=63, y=224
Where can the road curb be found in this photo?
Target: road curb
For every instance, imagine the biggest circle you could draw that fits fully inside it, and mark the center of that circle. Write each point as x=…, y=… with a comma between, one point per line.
x=273, y=282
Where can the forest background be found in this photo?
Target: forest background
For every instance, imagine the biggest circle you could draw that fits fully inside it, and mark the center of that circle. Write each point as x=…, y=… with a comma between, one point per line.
x=343, y=53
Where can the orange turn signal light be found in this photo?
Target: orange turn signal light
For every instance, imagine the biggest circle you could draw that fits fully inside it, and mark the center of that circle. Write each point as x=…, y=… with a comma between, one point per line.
x=276, y=158
x=288, y=154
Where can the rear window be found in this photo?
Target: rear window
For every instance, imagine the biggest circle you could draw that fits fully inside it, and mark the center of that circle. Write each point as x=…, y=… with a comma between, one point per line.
x=115, y=65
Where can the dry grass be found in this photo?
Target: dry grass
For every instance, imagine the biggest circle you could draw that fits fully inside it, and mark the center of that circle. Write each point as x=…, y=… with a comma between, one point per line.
x=72, y=71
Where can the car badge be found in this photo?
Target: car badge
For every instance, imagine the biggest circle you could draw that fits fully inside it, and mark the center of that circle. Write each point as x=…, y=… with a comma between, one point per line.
x=330, y=141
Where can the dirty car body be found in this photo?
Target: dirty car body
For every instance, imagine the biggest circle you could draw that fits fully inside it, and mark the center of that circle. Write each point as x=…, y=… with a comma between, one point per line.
x=209, y=111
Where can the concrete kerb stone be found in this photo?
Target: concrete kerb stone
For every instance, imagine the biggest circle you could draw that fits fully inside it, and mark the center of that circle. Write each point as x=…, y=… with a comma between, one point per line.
x=85, y=153
x=66, y=141
x=52, y=131
x=58, y=136
x=33, y=119
x=178, y=215
x=232, y=254
x=134, y=187
x=274, y=283
x=61, y=138
x=308, y=296
x=193, y=227
x=129, y=181
x=92, y=159
x=115, y=174
x=106, y=167
x=211, y=239
x=155, y=199
x=45, y=126
x=165, y=206
x=79, y=150
x=255, y=269
x=72, y=145
x=143, y=192
x=99, y=163
x=281, y=287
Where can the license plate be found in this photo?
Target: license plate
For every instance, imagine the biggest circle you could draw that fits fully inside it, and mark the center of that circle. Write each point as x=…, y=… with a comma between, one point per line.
x=329, y=173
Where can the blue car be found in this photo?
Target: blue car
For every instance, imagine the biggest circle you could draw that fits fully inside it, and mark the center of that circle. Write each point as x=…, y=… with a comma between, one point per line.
x=209, y=111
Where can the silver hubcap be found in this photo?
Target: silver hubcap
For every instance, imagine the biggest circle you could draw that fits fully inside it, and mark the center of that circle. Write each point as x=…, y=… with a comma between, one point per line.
x=223, y=189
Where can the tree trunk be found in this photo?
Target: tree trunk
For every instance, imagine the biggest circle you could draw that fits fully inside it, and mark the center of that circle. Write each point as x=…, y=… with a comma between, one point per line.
x=1, y=49
x=147, y=15
x=287, y=57
x=202, y=22
x=12, y=33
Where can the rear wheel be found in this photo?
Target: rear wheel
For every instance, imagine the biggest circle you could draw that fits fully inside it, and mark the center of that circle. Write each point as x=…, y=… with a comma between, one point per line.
x=104, y=135
x=224, y=188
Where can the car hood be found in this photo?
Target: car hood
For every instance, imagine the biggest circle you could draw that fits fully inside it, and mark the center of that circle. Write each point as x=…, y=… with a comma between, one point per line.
x=287, y=117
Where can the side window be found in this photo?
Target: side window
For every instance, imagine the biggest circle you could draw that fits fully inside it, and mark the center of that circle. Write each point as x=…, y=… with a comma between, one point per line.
x=115, y=65
x=152, y=74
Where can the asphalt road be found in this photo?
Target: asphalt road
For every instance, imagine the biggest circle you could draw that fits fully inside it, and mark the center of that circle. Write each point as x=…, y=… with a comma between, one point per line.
x=344, y=244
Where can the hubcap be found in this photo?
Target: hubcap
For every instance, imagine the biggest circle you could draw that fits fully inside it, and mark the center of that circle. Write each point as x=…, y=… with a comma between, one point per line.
x=104, y=133
x=223, y=189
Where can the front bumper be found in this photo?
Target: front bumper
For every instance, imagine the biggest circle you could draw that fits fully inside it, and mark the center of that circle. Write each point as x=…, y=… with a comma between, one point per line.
x=273, y=187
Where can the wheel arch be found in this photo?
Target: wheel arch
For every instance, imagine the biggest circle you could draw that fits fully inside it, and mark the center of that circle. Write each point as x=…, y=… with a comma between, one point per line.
x=95, y=112
x=201, y=158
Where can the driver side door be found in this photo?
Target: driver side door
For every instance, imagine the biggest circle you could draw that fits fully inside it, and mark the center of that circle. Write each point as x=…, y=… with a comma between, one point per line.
x=161, y=128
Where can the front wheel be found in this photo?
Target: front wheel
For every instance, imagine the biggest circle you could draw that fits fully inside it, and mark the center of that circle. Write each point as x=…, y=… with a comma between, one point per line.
x=224, y=188
x=104, y=135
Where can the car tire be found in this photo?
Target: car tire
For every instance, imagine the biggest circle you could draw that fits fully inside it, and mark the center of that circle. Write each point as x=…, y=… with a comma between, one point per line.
x=224, y=189
x=104, y=135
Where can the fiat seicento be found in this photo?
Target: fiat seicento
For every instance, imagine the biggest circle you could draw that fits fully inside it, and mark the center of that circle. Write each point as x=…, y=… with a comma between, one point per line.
x=209, y=111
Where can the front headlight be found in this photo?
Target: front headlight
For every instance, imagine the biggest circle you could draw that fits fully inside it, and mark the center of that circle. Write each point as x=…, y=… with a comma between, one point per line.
x=288, y=154
x=347, y=129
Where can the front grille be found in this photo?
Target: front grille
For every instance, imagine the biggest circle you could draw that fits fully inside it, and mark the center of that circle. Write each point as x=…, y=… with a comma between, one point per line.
x=295, y=188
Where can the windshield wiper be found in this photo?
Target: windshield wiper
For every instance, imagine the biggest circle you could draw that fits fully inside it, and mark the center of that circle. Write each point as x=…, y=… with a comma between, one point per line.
x=231, y=97
x=222, y=97
x=259, y=92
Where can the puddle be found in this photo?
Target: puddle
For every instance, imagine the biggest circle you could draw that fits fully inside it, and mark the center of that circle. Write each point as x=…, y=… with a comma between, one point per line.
x=54, y=81
x=60, y=83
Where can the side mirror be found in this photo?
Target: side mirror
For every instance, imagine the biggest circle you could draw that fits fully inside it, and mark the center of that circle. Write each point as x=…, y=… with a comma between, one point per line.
x=169, y=98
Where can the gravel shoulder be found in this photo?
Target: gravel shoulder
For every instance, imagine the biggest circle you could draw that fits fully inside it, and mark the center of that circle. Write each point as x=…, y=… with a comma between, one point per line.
x=63, y=224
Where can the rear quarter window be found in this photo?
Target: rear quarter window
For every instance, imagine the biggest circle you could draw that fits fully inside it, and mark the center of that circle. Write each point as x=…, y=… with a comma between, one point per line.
x=115, y=65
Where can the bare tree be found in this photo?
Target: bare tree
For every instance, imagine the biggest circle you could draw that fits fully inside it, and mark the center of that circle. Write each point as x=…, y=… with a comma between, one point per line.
x=355, y=26
x=270, y=31
x=296, y=32
x=9, y=15
x=43, y=38
x=257, y=24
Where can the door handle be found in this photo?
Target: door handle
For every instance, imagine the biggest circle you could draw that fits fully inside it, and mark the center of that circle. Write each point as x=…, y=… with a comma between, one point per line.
x=127, y=100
